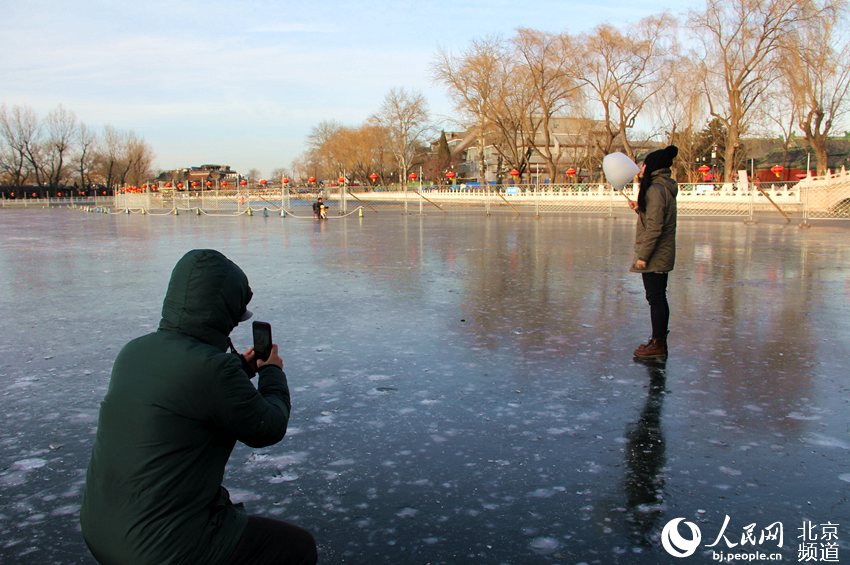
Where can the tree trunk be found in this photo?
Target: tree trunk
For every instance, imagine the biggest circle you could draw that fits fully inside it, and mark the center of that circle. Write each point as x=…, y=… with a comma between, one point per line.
x=818, y=145
x=482, y=162
x=729, y=153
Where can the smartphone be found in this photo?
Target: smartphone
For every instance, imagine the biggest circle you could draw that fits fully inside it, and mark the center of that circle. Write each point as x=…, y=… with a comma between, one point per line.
x=262, y=340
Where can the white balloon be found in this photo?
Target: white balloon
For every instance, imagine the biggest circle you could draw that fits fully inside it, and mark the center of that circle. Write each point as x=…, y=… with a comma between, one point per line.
x=619, y=169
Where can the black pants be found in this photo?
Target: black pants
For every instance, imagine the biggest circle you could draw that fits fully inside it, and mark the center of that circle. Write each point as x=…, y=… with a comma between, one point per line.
x=655, y=285
x=272, y=542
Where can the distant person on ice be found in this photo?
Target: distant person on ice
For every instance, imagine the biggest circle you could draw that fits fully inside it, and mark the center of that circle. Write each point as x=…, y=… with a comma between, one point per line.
x=320, y=209
x=177, y=404
x=655, y=243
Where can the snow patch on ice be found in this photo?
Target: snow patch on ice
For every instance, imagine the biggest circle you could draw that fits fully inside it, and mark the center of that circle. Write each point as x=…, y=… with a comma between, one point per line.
x=544, y=545
x=826, y=441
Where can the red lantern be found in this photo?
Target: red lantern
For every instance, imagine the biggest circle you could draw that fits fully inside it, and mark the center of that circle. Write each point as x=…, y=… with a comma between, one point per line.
x=104, y=193
x=168, y=185
x=208, y=183
x=194, y=184
x=777, y=170
x=374, y=177
x=311, y=179
x=704, y=169
x=450, y=175
x=341, y=180
x=412, y=176
x=144, y=187
x=224, y=184
x=179, y=186
x=34, y=195
x=514, y=173
x=243, y=182
x=264, y=182
x=571, y=171
x=285, y=180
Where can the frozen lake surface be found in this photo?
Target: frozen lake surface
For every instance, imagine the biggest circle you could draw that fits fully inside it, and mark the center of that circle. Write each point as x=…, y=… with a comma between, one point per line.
x=463, y=388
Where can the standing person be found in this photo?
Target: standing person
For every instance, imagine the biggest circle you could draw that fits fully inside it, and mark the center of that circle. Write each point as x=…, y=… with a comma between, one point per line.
x=177, y=404
x=655, y=243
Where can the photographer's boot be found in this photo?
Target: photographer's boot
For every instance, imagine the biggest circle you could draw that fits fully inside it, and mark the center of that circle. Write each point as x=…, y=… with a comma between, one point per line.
x=654, y=349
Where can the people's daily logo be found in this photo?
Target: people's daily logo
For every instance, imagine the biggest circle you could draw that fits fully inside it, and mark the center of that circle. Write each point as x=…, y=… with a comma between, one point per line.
x=816, y=542
x=677, y=545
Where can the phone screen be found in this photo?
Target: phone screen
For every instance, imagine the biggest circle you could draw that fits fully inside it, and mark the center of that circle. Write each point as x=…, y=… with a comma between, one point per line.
x=262, y=340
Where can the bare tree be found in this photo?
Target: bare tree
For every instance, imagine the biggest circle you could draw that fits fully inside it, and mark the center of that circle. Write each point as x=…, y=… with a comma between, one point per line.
x=777, y=111
x=18, y=127
x=123, y=158
x=680, y=111
x=740, y=40
x=624, y=71
x=511, y=113
x=139, y=158
x=279, y=173
x=61, y=126
x=814, y=66
x=469, y=80
x=404, y=117
x=512, y=128
x=317, y=159
x=550, y=63
x=86, y=143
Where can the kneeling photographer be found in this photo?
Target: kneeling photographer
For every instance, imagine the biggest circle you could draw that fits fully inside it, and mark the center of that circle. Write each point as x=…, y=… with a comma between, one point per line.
x=177, y=403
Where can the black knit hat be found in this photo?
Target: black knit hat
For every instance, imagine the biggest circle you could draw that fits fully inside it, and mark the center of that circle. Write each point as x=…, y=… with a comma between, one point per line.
x=660, y=159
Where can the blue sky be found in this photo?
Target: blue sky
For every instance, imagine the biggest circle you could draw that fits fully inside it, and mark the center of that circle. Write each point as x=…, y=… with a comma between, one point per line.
x=242, y=82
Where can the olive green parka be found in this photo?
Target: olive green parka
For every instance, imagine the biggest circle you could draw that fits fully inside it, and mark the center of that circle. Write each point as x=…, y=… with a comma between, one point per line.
x=655, y=236
x=176, y=405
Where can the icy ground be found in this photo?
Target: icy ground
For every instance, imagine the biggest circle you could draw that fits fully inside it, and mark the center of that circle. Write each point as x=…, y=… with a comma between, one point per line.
x=463, y=388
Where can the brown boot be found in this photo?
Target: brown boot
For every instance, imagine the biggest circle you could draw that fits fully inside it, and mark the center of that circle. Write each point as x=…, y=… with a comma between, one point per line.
x=654, y=349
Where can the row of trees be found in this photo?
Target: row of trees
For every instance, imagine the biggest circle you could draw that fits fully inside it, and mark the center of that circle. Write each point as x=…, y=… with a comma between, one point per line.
x=756, y=68
x=57, y=151
x=759, y=66
x=387, y=144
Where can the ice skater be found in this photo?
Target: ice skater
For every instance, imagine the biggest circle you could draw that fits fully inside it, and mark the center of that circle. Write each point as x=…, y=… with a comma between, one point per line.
x=177, y=404
x=655, y=243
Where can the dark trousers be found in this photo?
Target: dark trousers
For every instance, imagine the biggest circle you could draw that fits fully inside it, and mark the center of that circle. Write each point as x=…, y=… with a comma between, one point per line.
x=655, y=285
x=272, y=542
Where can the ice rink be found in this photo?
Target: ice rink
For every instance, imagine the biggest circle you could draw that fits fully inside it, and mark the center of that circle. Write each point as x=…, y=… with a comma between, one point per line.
x=463, y=388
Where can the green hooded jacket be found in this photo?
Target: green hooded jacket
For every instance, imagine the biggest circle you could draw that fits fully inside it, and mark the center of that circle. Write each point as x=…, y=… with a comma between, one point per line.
x=655, y=236
x=176, y=405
